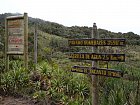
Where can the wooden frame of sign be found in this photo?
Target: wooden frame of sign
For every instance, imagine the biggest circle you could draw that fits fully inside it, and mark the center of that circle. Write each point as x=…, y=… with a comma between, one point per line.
x=16, y=37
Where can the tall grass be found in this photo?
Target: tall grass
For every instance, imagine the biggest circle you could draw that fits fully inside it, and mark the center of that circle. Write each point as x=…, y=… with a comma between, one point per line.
x=60, y=86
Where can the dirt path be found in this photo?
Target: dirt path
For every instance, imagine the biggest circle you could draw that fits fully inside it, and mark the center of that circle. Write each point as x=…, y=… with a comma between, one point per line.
x=9, y=100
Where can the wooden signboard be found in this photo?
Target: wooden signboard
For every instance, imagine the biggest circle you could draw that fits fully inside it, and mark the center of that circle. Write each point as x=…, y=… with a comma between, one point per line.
x=98, y=56
x=98, y=71
x=16, y=38
x=97, y=42
x=15, y=35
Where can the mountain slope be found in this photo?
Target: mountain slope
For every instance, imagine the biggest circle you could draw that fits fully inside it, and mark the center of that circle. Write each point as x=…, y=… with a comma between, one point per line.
x=74, y=31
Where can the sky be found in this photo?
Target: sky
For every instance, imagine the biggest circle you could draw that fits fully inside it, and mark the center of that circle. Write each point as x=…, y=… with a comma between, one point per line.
x=113, y=15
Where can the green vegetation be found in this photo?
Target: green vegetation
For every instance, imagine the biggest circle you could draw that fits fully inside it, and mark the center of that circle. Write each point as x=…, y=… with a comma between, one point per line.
x=52, y=80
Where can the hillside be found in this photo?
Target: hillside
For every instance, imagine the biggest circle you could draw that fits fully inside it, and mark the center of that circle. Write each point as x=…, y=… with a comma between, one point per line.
x=74, y=31
x=57, y=34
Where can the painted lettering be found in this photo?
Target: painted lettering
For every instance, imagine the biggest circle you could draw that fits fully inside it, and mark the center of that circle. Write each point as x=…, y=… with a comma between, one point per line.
x=14, y=23
x=97, y=71
x=97, y=42
x=14, y=40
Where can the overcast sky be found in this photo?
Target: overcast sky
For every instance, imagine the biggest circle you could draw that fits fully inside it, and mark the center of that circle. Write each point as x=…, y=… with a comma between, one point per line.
x=113, y=15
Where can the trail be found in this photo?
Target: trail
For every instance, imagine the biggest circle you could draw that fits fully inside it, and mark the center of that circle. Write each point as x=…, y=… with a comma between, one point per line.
x=10, y=100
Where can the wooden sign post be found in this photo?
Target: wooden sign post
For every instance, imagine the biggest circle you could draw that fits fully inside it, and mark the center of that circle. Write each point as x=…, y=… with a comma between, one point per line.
x=16, y=38
x=95, y=56
x=26, y=40
x=95, y=91
x=35, y=46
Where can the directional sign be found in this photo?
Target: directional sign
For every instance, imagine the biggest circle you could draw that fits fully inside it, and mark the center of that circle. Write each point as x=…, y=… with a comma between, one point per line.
x=97, y=42
x=98, y=71
x=97, y=56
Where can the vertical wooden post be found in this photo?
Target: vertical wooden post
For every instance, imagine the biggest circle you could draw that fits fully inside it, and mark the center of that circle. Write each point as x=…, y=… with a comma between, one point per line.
x=6, y=47
x=35, y=46
x=95, y=95
x=26, y=40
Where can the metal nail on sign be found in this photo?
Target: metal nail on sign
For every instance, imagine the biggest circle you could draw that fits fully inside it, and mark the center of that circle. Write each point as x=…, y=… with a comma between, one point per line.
x=97, y=42
x=97, y=56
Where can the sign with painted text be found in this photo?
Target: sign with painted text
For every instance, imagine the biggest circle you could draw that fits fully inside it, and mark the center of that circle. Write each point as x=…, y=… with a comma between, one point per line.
x=98, y=56
x=97, y=42
x=15, y=35
x=95, y=57
x=97, y=71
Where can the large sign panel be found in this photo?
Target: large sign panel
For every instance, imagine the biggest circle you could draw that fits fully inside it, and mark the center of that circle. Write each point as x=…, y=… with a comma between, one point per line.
x=15, y=35
x=97, y=56
x=97, y=71
x=97, y=42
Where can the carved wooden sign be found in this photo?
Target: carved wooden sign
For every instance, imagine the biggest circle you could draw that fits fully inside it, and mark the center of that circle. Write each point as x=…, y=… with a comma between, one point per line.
x=98, y=56
x=15, y=35
x=97, y=42
x=97, y=71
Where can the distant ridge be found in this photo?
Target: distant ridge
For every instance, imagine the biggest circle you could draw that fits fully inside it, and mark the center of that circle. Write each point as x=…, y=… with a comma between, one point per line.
x=74, y=31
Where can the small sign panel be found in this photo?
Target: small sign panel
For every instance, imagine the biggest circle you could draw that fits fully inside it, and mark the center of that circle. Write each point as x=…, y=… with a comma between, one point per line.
x=97, y=71
x=97, y=42
x=15, y=31
x=97, y=56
